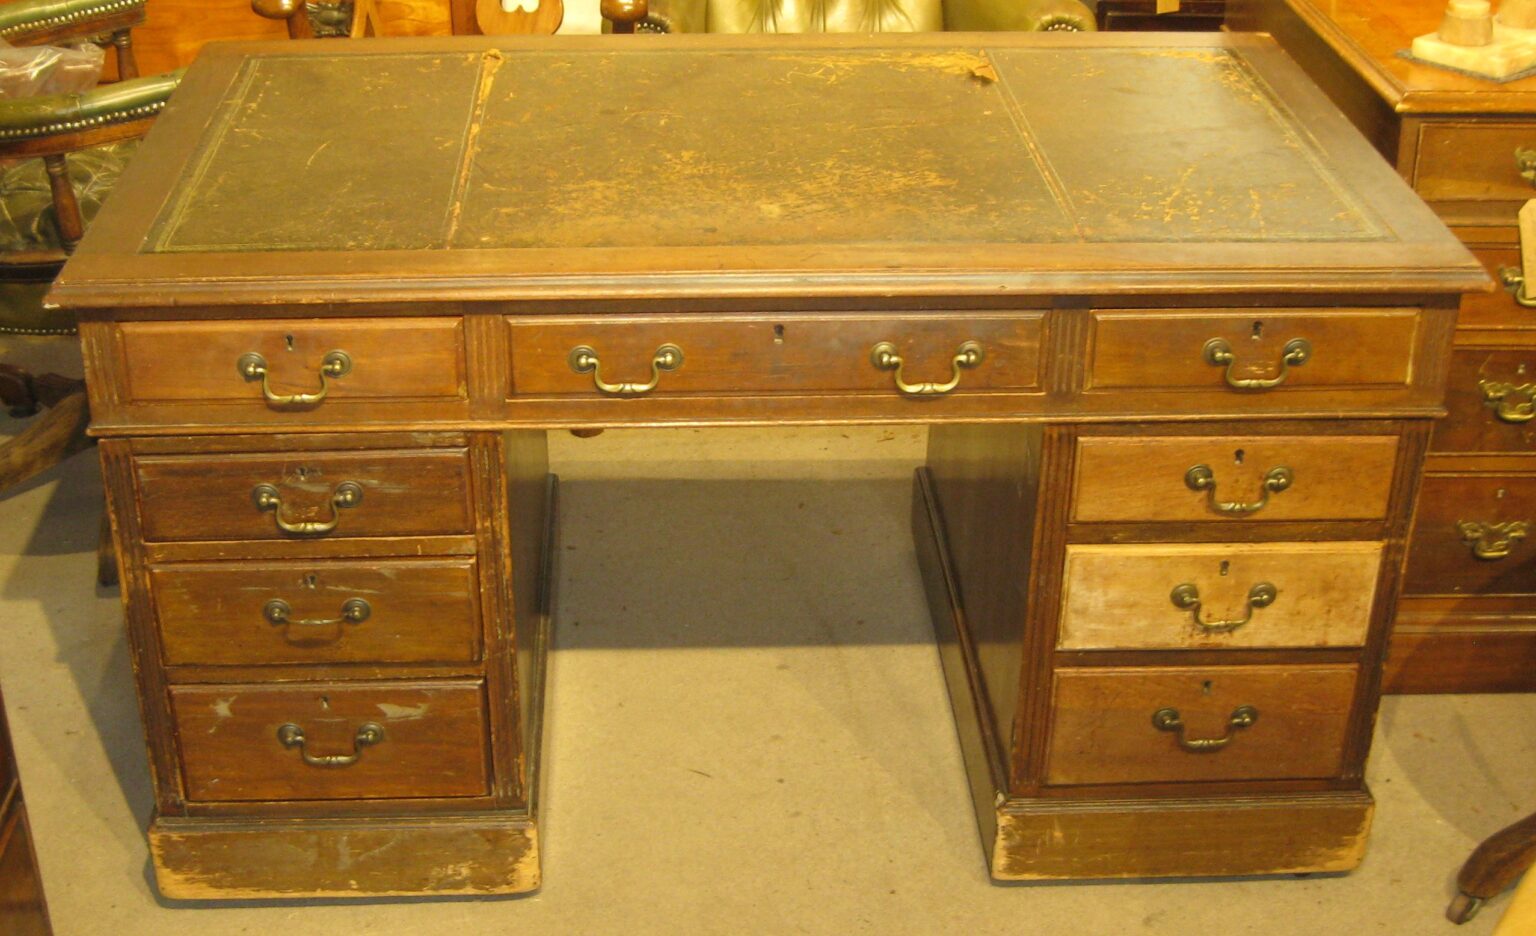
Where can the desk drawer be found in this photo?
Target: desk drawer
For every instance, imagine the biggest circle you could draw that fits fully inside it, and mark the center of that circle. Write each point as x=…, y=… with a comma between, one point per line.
x=304, y=495
x=1474, y=535
x=255, y=613
x=378, y=741
x=1497, y=309
x=1272, y=350
x=756, y=354
x=1153, y=724
x=1490, y=403
x=1191, y=596
x=385, y=360
x=1233, y=478
x=1466, y=165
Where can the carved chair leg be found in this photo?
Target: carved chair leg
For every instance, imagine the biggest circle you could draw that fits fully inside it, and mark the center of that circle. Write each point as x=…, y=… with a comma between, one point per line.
x=1493, y=866
x=106, y=554
x=53, y=437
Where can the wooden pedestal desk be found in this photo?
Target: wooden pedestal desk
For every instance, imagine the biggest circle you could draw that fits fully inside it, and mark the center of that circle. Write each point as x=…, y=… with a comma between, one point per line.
x=1179, y=332
x=1467, y=621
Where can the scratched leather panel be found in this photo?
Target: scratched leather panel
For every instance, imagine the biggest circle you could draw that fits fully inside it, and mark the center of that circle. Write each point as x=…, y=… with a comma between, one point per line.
x=685, y=148
x=328, y=153
x=1170, y=144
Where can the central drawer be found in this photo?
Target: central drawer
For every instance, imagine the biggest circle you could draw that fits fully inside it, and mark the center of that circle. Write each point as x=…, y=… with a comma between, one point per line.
x=1155, y=724
x=304, y=495
x=258, y=613
x=790, y=354
x=1198, y=596
x=310, y=741
x=1233, y=478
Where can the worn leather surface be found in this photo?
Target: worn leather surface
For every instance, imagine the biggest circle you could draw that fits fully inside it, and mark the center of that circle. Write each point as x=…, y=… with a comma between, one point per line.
x=714, y=147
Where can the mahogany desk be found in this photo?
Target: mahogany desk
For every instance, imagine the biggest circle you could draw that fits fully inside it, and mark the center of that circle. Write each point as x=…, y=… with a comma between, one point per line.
x=1178, y=331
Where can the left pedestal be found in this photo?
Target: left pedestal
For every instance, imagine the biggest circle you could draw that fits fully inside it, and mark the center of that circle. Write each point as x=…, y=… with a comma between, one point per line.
x=339, y=641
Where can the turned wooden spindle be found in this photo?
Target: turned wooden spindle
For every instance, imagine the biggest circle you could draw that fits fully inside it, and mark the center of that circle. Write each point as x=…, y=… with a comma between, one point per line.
x=624, y=14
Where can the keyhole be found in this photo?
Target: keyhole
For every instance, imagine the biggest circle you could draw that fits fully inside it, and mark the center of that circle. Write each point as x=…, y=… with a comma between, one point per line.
x=1205, y=687
x=303, y=473
x=288, y=340
x=1225, y=566
x=778, y=334
x=1499, y=494
x=311, y=581
x=325, y=701
x=1258, y=331
x=1520, y=370
x=1237, y=456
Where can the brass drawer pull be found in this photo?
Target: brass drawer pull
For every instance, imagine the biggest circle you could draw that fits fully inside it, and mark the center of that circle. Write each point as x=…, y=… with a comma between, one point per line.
x=1497, y=394
x=1167, y=719
x=1492, y=541
x=253, y=366
x=1202, y=478
x=1514, y=281
x=280, y=614
x=584, y=360
x=1218, y=353
x=267, y=497
x=292, y=736
x=1525, y=163
x=1187, y=596
x=967, y=356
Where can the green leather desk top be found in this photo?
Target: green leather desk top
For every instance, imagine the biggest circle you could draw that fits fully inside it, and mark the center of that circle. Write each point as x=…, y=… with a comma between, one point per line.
x=834, y=157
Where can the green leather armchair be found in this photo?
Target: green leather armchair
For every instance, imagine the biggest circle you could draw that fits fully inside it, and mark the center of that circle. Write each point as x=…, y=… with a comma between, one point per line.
x=740, y=16
x=59, y=156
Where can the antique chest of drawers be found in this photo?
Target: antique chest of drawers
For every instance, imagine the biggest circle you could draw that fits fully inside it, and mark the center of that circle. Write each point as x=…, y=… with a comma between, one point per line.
x=1178, y=418
x=1468, y=147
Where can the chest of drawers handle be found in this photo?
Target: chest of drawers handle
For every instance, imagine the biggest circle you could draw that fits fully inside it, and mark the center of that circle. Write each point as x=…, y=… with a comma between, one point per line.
x=1168, y=719
x=1187, y=596
x=1525, y=163
x=267, y=497
x=1202, y=478
x=1497, y=393
x=253, y=366
x=280, y=614
x=885, y=357
x=1218, y=353
x=292, y=736
x=1492, y=541
x=584, y=360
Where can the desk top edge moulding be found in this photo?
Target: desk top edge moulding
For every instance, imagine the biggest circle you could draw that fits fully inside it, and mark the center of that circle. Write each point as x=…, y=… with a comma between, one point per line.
x=1179, y=335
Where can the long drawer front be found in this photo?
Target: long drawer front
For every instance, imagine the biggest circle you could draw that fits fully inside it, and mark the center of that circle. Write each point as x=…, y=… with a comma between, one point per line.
x=322, y=742
x=1159, y=724
x=304, y=495
x=329, y=611
x=794, y=354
